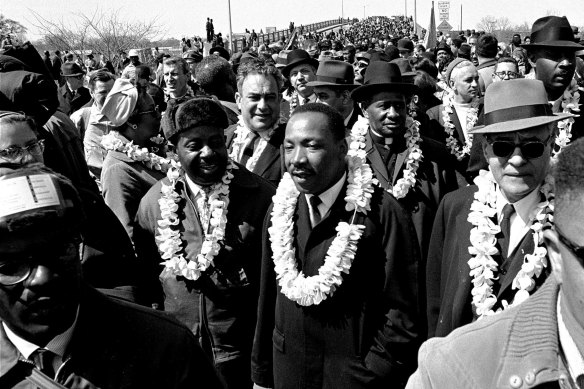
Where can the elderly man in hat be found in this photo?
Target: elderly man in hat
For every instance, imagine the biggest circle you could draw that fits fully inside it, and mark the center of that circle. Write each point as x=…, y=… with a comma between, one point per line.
x=198, y=236
x=72, y=95
x=256, y=140
x=333, y=86
x=55, y=330
x=300, y=70
x=552, y=54
x=416, y=170
x=486, y=251
x=539, y=343
x=338, y=297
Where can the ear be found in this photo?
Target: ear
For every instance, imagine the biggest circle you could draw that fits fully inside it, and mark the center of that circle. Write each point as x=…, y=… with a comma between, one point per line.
x=451, y=83
x=364, y=110
x=484, y=145
x=238, y=100
x=550, y=238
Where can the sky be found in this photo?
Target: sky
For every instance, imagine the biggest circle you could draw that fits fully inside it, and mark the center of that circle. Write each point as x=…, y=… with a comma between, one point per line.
x=180, y=18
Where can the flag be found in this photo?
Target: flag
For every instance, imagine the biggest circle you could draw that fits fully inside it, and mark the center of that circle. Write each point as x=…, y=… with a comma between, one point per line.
x=430, y=38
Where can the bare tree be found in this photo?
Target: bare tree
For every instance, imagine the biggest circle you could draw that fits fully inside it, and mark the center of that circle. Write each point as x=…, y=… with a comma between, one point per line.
x=488, y=23
x=9, y=27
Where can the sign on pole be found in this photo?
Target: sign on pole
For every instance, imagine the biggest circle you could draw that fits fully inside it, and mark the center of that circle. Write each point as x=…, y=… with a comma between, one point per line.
x=445, y=27
x=444, y=10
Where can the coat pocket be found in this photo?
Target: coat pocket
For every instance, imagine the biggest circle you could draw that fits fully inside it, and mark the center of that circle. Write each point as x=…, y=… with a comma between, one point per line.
x=278, y=340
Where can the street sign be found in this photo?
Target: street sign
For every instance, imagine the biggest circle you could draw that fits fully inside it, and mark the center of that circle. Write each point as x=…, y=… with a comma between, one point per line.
x=444, y=27
x=443, y=5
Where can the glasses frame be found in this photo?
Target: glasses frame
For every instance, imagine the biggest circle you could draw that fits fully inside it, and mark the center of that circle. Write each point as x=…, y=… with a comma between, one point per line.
x=508, y=73
x=521, y=147
x=577, y=251
x=30, y=149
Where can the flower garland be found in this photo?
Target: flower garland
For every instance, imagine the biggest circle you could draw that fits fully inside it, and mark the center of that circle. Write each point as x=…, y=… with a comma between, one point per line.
x=568, y=102
x=293, y=102
x=313, y=290
x=459, y=151
x=483, y=240
x=214, y=217
x=413, y=140
x=112, y=142
x=239, y=141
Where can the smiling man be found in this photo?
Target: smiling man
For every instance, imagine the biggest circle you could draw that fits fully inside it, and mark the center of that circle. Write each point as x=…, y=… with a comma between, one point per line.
x=299, y=70
x=320, y=326
x=203, y=222
x=176, y=78
x=490, y=229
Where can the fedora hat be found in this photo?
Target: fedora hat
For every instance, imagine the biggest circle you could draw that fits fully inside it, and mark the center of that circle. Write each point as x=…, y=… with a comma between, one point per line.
x=71, y=69
x=220, y=51
x=382, y=76
x=335, y=74
x=405, y=67
x=516, y=105
x=405, y=45
x=297, y=57
x=192, y=55
x=552, y=31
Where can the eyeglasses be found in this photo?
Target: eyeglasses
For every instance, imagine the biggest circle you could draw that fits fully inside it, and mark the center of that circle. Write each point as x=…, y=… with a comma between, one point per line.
x=577, y=251
x=14, y=271
x=529, y=150
x=509, y=74
x=15, y=153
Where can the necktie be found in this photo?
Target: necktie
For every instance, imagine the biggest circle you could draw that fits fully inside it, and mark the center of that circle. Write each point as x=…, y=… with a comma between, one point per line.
x=508, y=210
x=315, y=201
x=43, y=359
x=252, y=137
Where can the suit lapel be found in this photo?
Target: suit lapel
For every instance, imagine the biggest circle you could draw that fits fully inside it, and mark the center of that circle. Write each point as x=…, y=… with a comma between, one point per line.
x=457, y=124
x=399, y=162
x=377, y=164
x=271, y=153
x=515, y=261
x=302, y=226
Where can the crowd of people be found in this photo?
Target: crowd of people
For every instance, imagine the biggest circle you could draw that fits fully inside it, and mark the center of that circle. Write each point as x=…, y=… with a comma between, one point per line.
x=359, y=211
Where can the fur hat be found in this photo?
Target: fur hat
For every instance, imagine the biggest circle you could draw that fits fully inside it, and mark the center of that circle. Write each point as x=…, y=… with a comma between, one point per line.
x=199, y=111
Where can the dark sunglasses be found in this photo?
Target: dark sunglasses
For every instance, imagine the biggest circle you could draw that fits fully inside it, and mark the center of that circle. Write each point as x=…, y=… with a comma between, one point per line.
x=577, y=251
x=530, y=150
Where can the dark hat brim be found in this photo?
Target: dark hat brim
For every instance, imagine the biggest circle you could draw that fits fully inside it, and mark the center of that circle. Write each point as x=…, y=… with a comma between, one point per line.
x=360, y=93
x=551, y=44
x=332, y=84
x=311, y=61
x=519, y=124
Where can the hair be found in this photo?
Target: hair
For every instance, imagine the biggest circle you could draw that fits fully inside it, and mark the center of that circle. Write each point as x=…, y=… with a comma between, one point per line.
x=506, y=60
x=420, y=47
x=427, y=66
x=487, y=46
x=335, y=120
x=213, y=74
x=9, y=117
x=100, y=75
x=179, y=62
x=426, y=85
x=458, y=68
x=568, y=174
x=260, y=67
x=143, y=72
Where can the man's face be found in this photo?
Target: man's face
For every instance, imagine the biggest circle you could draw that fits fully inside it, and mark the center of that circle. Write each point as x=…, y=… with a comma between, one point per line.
x=405, y=54
x=314, y=158
x=100, y=91
x=334, y=98
x=202, y=154
x=359, y=68
x=555, y=67
x=387, y=114
x=348, y=57
x=517, y=175
x=74, y=82
x=192, y=65
x=418, y=52
x=466, y=84
x=175, y=80
x=259, y=102
x=507, y=68
x=299, y=76
x=45, y=303
x=472, y=41
x=135, y=60
x=443, y=56
x=19, y=135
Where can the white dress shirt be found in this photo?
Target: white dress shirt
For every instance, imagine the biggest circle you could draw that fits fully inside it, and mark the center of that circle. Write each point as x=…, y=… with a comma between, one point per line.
x=327, y=199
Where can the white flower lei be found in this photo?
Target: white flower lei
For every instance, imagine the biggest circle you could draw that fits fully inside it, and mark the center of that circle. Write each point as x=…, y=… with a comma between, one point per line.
x=339, y=258
x=413, y=140
x=112, y=142
x=168, y=239
x=483, y=240
x=569, y=101
x=239, y=140
x=449, y=127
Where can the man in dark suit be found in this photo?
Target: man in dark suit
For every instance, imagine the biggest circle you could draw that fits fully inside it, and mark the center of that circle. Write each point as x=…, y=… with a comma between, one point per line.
x=256, y=139
x=489, y=230
x=55, y=330
x=353, y=321
x=334, y=82
x=300, y=69
x=211, y=281
x=72, y=95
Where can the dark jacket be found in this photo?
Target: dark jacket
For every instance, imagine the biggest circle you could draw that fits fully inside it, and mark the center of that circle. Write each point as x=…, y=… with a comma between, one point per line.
x=118, y=345
x=220, y=307
x=270, y=165
x=366, y=334
x=447, y=272
x=69, y=103
x=518, y=348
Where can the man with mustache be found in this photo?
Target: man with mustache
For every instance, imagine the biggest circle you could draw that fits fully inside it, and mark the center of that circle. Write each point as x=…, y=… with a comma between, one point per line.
x=338, y=307
x=55, y=330
x=203, y=223
x=299, y=70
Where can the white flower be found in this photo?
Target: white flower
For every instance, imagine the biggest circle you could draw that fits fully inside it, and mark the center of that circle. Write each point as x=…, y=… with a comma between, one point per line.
x=459, y=151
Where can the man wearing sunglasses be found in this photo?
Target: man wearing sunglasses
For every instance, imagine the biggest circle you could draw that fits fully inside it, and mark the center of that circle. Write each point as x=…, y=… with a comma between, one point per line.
x=484, y=233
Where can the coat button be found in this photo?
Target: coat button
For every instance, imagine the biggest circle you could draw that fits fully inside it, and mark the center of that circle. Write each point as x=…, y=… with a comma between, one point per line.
x=530, y=378
x=515, y=381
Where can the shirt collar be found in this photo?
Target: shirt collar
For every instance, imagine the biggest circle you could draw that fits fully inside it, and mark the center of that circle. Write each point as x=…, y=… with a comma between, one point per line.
x=574, y=359
x=329, y=196
x=522, y=207
x=57, y=345
x=349, y=117
x=195, y=188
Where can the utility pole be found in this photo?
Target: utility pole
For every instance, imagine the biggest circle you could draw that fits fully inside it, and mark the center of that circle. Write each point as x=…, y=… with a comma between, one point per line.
x=415, y=17
x=342, y=9
x=460, y=16
x=406, y=5
x=230, y=31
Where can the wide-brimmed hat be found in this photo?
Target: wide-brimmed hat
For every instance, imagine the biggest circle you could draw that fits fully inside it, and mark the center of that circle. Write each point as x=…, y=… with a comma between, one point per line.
x=192, y=55
x=71, y=69
x=221, y=51
x=335, y=74
x=298, y=57
x=382, y=76
x=443, y=46
x=405, y=67
x=552, y=31
x=516, y=105
x=133, y=53
x=405, y=45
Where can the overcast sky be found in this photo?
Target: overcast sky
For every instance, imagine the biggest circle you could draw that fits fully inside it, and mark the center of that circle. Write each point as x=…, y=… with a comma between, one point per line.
x=187, y=17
